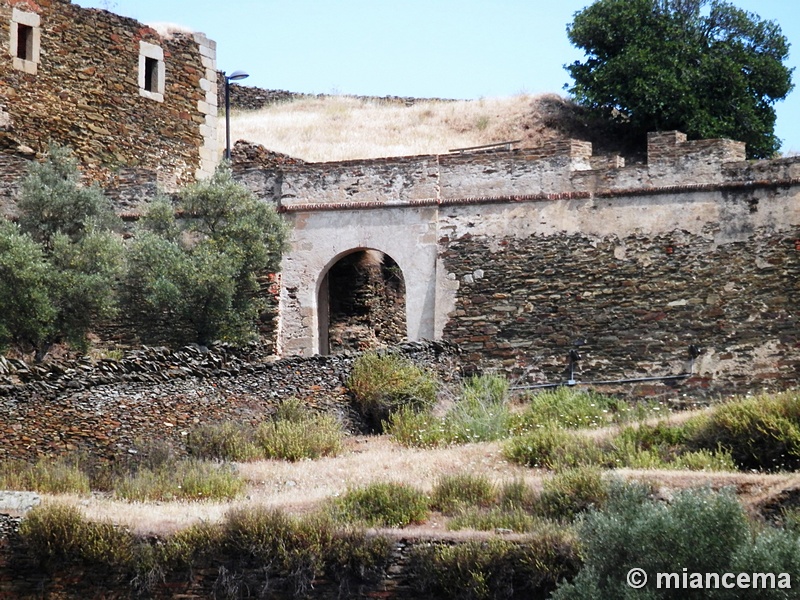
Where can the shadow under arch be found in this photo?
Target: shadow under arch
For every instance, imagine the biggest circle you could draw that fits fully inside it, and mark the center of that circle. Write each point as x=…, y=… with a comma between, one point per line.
x=361, y=302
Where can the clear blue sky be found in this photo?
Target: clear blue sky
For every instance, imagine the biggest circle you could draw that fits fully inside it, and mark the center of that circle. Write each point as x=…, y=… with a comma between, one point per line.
x=421, y=48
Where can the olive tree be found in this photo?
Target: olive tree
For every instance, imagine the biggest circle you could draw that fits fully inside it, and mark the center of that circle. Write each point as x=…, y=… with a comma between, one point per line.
x=60, y=264
x=195, y=280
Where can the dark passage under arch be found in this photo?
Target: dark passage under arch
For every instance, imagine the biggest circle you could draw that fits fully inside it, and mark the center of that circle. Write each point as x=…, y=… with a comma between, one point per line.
x=362, y=303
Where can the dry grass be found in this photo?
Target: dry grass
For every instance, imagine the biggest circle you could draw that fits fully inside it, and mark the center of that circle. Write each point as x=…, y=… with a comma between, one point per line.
x=301, y=487
x=334, y=128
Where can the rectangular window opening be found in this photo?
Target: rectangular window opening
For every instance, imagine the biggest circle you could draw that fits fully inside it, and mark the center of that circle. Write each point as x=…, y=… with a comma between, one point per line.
x=150, y=74
x=24, y=42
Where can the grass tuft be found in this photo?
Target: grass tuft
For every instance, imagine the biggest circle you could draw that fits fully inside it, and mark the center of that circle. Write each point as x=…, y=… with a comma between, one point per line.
x=454, y=492
x=60, y=532
x=381, y=504
x=47, y=476
x=183, y=480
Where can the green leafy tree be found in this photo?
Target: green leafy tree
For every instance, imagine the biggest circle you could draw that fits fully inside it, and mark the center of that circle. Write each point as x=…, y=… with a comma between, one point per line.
x=196, y=281
x=53, y=201
x=61, y=263
x=703, y=67
x=28, y=313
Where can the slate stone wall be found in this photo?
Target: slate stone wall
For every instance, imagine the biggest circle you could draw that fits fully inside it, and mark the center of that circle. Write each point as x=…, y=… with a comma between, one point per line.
x=103, y=406
x=634, y=302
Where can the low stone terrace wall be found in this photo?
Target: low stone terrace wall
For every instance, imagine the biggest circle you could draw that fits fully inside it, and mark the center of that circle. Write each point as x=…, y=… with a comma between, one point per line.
x=104, y=406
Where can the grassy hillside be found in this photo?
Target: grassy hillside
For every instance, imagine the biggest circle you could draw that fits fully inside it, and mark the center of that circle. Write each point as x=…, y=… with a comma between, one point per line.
x=336, y=128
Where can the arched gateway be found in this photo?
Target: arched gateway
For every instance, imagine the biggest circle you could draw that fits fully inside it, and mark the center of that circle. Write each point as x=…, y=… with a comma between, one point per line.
x=328, y=248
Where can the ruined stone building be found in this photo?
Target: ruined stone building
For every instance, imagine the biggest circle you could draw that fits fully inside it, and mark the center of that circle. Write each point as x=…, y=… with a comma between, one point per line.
x=137, y=106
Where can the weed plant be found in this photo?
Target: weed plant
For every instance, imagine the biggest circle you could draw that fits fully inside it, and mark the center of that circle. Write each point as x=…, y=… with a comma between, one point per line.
x=383, y=504
x=58, y=532
x=290, y=551
x=309, y=438
x=223, y=441
x=761, y=433
x=183, y=480
x=571, y=492
x=570, y=408
x=479, y=414
x=294, y=433
x=382, y=383
x=454, y=492
x=495, y=569
x=416, y=429
x=482, y=414
x=643, y=447
x=553, y=448
x=493, y=519
x=516, y=495
x=47, y=476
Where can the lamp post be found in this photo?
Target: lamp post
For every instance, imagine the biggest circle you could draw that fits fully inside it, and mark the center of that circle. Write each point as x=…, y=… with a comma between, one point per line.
x=235, y=76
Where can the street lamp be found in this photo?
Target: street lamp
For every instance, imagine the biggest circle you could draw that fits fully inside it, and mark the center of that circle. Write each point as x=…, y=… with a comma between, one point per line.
x=235, y=76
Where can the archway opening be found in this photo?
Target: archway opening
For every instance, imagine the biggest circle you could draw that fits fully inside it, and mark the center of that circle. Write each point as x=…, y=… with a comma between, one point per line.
x=362, y=303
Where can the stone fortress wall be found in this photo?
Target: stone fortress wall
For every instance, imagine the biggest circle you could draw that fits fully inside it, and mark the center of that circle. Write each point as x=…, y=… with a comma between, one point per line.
x=517, y=255
x=513, y=254
x=138, y=107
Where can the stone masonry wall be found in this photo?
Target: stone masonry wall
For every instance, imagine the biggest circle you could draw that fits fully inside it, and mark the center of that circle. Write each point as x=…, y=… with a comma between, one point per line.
x=636, y=301
x=105, y=407
x=539, y=248
x=220, y=575
x=85, y=93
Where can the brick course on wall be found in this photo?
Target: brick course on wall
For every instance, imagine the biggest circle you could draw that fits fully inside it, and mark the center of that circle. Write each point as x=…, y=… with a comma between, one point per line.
x=85, y=93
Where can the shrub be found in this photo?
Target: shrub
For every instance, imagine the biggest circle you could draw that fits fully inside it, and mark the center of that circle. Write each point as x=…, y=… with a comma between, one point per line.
x=700, y=531
x=488, y=389
x=552, y=448
x=382, y=383
x=354, y=557
x=453, y=492
x=494, y=568
x=381, y=504
x=760, y=433
x=571, y=492
x=704, y=460
x=60, y=532
x=481, y=413
x=223, y=441
x=517, y=495
x=290, y=548
x=295, y=433
x=184, y=480
x=418, y=429
x=312, y=437
x=571, y=408
x=478, y=415
x=59, y=476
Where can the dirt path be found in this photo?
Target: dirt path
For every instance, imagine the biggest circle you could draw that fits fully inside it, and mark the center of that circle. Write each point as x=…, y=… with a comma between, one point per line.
x=302, y=486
